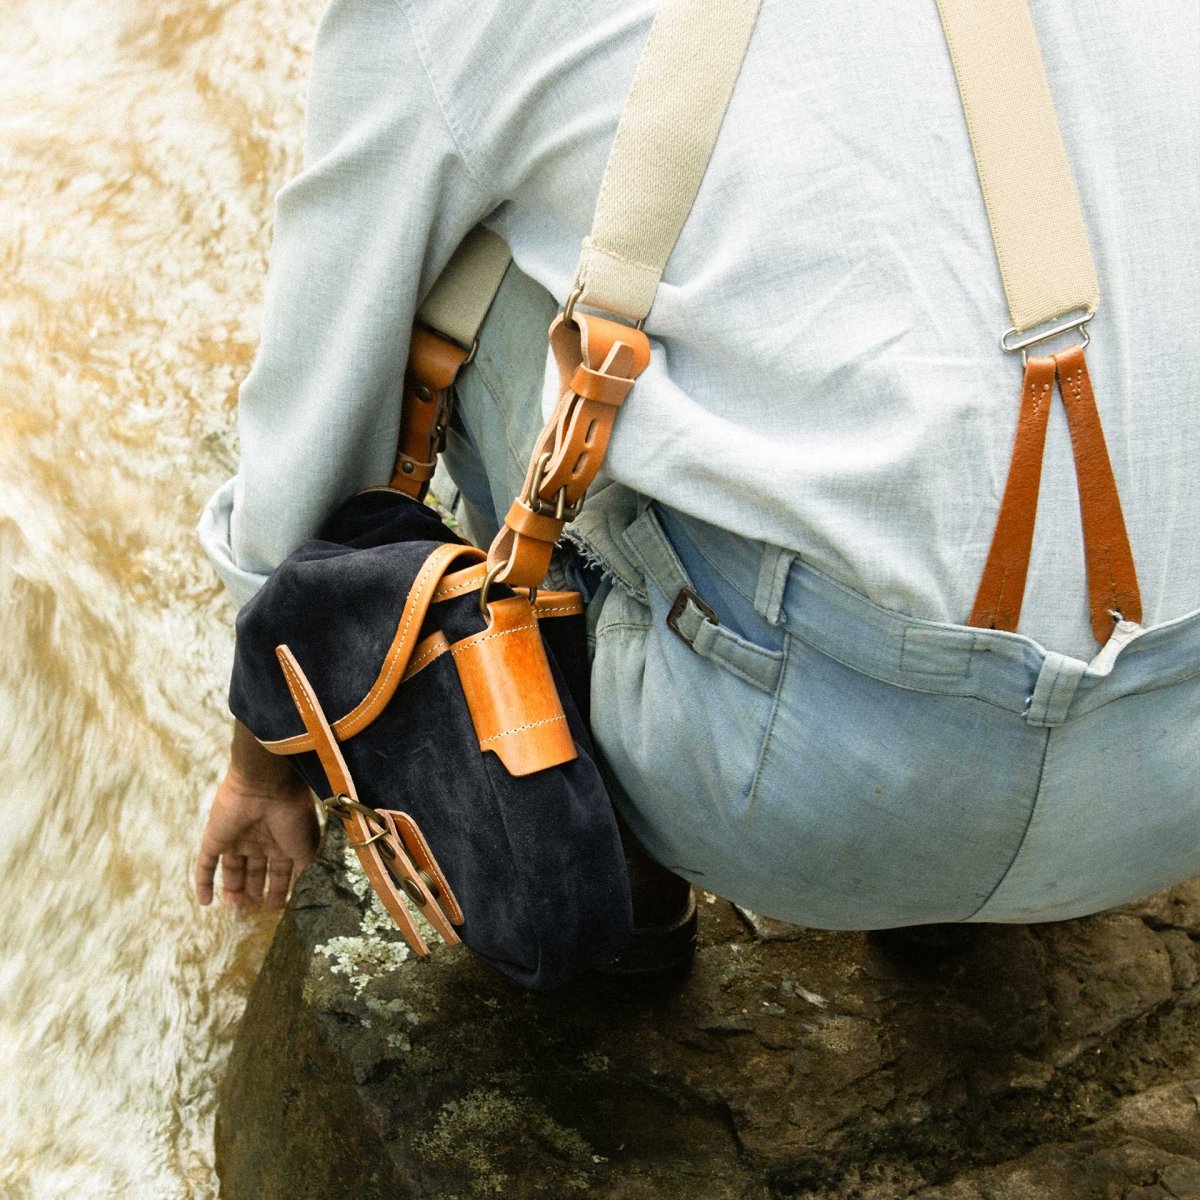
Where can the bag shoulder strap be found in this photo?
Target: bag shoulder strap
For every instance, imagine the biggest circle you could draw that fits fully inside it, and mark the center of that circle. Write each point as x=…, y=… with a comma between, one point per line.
x=662, y=147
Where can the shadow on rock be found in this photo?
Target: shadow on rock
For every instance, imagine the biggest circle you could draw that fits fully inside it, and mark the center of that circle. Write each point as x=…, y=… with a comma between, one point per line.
x=1048, y=1061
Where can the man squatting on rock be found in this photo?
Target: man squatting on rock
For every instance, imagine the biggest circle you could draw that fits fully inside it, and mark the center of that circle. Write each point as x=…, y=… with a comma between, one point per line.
x=818, y=448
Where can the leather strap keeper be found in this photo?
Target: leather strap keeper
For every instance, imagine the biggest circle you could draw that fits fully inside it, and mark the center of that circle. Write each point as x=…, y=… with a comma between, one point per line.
x=603, y=389
x=521, y=518
x=433, y=364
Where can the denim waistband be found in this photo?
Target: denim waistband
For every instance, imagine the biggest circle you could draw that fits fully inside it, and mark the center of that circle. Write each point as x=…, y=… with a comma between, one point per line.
x=1004, y=669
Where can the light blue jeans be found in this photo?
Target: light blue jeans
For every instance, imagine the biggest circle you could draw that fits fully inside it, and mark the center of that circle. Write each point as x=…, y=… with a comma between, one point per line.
x=822, y=760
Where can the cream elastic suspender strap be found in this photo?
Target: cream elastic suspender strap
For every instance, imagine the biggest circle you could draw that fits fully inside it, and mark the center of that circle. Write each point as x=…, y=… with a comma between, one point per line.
x=1050, y=281
x=662, y=147
x=459, y=300
x=1038, y=231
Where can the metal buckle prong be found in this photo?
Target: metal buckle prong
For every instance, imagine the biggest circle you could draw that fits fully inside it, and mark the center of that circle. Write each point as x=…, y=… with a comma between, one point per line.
x=558, y=507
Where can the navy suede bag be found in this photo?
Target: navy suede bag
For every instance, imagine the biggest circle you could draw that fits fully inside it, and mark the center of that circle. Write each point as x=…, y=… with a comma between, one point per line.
x=447, y=734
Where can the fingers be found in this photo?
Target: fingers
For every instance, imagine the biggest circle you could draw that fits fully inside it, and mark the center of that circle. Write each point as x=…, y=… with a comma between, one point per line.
x=206, y=869
x=245, y=879
x=233, y=878
x=280, y=880
x=255, y=879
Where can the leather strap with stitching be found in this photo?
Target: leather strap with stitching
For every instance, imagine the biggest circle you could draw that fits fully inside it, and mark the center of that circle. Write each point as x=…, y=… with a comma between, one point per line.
x=364, y=839
x=598, y=361
x=1113, y=591
x=395, y=663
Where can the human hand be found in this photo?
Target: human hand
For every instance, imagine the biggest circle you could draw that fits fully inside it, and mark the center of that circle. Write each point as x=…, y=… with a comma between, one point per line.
x=262, y=829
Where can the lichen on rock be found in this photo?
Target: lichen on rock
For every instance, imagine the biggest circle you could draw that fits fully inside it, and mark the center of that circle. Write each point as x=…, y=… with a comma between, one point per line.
x=791, y=1063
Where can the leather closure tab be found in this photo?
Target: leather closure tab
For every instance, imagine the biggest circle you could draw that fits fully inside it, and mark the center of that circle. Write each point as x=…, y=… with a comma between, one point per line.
x=382, y=864
x=510, y=691
x=426, y=885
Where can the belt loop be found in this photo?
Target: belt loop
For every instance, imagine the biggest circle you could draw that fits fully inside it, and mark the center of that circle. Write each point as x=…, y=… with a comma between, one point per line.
x=773, y=575
x=1057, y=683
x=649, y=547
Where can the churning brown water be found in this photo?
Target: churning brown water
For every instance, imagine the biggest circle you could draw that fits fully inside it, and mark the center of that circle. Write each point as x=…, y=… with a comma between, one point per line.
x=141, y=142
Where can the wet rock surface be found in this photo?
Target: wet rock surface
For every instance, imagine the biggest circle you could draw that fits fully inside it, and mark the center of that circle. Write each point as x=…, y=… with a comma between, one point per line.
x=1057, y=1061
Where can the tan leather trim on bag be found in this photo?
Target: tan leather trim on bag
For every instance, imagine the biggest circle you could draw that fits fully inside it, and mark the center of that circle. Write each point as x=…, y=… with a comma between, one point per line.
x=547, y=606
x=557, y=604
x=510, y=692
x=431, y=649
x=1113, y=592
x=457, y=583
x=358, y=831
x=395, y=662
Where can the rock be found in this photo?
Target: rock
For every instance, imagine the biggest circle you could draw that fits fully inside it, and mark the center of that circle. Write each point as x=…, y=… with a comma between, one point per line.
x=792, y=1062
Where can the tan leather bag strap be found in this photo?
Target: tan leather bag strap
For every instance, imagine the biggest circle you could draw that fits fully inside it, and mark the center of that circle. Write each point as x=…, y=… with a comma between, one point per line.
x=421, y=596
x=663, y=143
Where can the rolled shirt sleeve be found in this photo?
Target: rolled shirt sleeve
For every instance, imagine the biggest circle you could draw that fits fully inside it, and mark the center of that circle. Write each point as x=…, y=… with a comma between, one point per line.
x=360, y=235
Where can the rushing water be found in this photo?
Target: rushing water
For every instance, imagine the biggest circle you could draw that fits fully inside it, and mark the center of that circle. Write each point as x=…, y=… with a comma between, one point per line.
x=141, y=142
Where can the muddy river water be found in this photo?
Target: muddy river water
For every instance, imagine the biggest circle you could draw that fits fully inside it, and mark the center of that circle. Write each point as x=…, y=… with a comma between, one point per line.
x=141, y=143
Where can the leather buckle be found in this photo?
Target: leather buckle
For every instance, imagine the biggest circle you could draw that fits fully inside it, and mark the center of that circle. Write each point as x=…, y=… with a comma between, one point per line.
x=558, y=508
x=687, y=596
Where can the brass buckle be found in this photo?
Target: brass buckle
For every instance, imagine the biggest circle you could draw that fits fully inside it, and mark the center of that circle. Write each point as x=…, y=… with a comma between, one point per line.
x=343, y=806
x=558, y=508
x=686, y=596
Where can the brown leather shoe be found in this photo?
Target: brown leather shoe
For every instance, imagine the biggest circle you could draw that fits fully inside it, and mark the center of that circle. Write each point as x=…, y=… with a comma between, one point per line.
x=927, y=942
x=663, y=943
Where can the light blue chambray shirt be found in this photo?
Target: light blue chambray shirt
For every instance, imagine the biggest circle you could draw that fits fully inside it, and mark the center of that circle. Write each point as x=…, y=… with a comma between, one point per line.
x=826, y=374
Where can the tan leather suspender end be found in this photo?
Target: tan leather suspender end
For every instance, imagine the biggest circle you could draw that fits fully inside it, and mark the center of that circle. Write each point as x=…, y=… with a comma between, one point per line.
x=1047, y=270
x=1113, y=593
x=434, y=362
